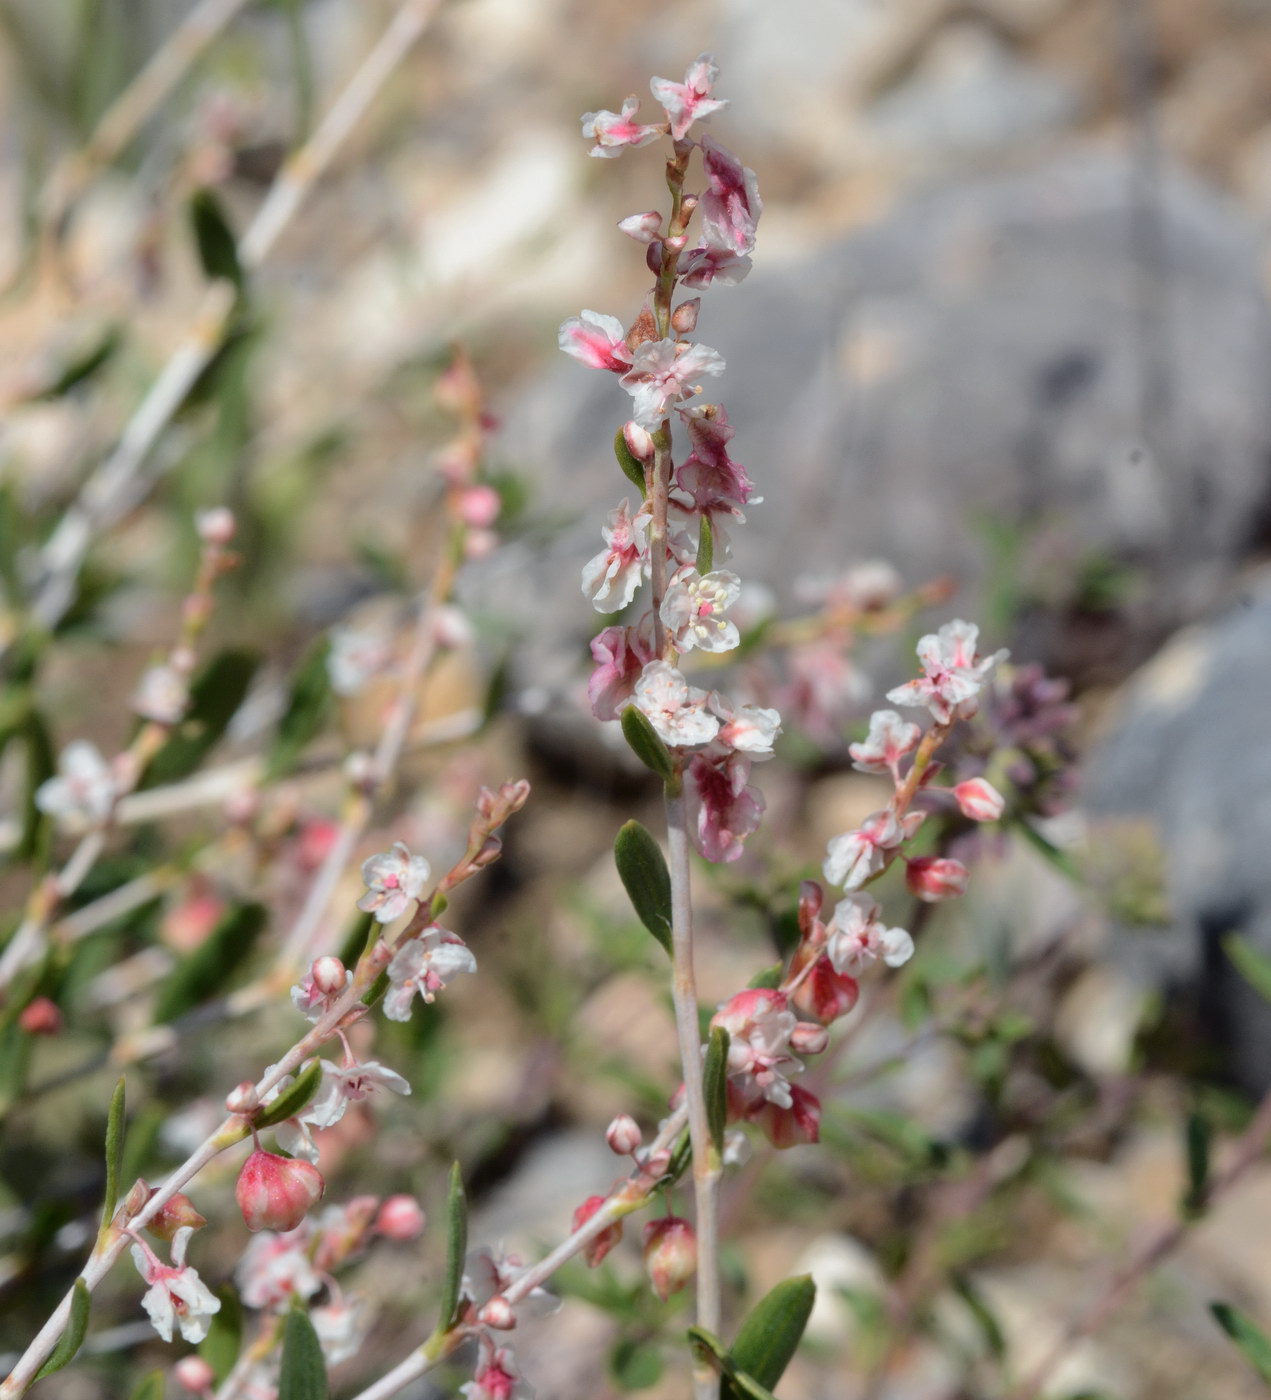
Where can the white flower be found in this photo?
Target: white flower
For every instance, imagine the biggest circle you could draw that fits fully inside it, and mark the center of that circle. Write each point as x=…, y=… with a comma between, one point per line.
x=341, y=1328
x=759, y=1023
x=344, y=1084
x=610, y=578
x=660, y=373
x=276, y=1268
x=694, y=606
x=890, y=738
x=855, y=937
x=856, y=855
x=356, y=657
x=486, y=1274
x=676, y=710
x=424, y=966
x=394, y=880
x=748, y=729
x=176, y=1295
x=955, y=674
x=161, y=695
x=84, y=792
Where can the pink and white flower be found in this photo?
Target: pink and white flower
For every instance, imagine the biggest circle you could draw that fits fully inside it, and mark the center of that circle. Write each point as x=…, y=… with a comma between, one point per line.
x=954, y=673
x=175, y=1296
x=276, y=1268
x=793, y=1125
x=356, y=657
x=690, y=100
x=731, y=205
x=748, y=729
x=345, y=1084
x=723, y=809
x=613, y=132
x=856, y=937
x=610, y=578
x=84, y=791
x=597, y=340
x=978, y=799
x=889, y=740
x=620, y=654
x=395, y=880
x=676, y=710
x=341, y=1326
x=487, y=1274
x=936, y=878
x=162, y=695
x=423, y=967
x=854, y=857
x=661, y=373
x=644, y=228
x=497, y=1377
x=759, y=1023
x=693, y=610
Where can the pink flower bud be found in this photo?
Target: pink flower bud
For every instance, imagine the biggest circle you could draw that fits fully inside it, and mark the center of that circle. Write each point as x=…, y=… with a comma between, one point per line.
x=138, y=1194
x=194, y=1374
x=808, y=1038
x=935, y=878
x=605, y=1240
x=276, y=1193
x=400, y=1218
x=479, y=506
x=243, y=1099
x=623, y=1135
x=684, y=317
x=215, y=526
x=657, y=1164
x=188, y=924
x=670, y=1254
x=677, y=244
x=639, y=441
x=824, y=993
x=642, y=227
x=176, y=1213
x=979, y=800
x=497, y=1313
x=329, y=975
x=40, y=1017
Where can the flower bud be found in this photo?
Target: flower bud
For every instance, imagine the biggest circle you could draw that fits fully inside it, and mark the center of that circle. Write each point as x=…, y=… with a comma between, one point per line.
x=175, y=1214
x=657, y=1164
x=276, y=1193
x=479, y=506
x=670, y=1254
x=642, y=227
x=639, y=441
x=808, y=1038
x=40, y=1017
x=359, y=770
x=979, y=800
x=497, y=1313
x=194, y=1374
x=243, y=1100
x=400, y=1218
x=215, y=526
x=329, y=975
x=935, y=878
x=605, y=1240
x=687, y=205
x=676, y=244
x=684, y=317
x=623, y=1135
x=825, y=994
x=138, y=1194
x=653, y=256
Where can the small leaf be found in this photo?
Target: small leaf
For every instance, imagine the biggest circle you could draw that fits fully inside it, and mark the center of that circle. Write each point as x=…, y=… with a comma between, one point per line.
x=705, y=546
x=217, y=246
x=215, y=697
x=1251, y=963
x=715, y=1085
x=1195, y=1197
x=210, y=967
x=151, y=1387
x=771, y=1333
x=642, y=870
x=224, y=1338
x=83, y=365
x=769, y=979
x=631, y=467
x=646, y=743
x=114, y=1151
x=73, y=1337
x=293, y=1098
x=456, y=1250
x=308, y=704
x=304, y=1372
x=1247, y=1335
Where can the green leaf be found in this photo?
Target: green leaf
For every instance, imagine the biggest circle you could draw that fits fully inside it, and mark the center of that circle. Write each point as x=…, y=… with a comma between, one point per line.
x=224, y=1338
x=705, y=546
x=631, y=468
x=635, y=1364
x=1194, y=1198
x=771, y=1334
x=769, y=979
x=647, y=744
x=114, y=1151
x=304, y=1372
x=710, y=1349
x=985, y=1318
x=715, y=1085
x=151, y=1387
x=1247, y=1335
x=647, y=881
x=214, y=239
x=40, y=766
x=83, y=365
x=681, y=1157
x=73, y=1337
x=1252, y=964
x=362, y=931
x=308, y=704
x=215, y=697
x=456, y=1250
x=212, y=965
x=293, y=1098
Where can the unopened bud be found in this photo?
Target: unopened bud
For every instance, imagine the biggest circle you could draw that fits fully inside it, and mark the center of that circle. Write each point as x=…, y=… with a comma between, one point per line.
x=40, y=1017
x=596, y=1250
x=215, y=526
x=175, y=1214
x=479, y=506
x=670, y=1254
x=400, y=1218
x=642, y=227
x=979, y=800
x=194, y=1374
x=639, y=441
x=138, y=1194
x=825, y=994
x=657, y=1164
x=329, y=975
x=653, y=256
x=276, y=1193
x=243, y=1099
x=498, y=1313
x=491, y=850
x=676, y=244
x=623, y=1135
x=808, y=1038
x=359, y=770
x=684, y=317
x=936, y=878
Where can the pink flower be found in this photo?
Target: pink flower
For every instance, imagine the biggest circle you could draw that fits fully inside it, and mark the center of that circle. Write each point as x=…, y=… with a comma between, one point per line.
x=660, y=373
x=176, y=1296
x=676, y=710
x=709, y=476
x=400, y=1218
x=723, y=810
x=935, y=878
x=496, y=1376
x=605, y=1240
x=748, y=729
x=759, y=1023
x=693, y=610
x=826, y=994
x=276, y=1193
x=670, y=1254
x=644, y=228
x=979, y=800
x=597, y=340
x=955, y=674
x=790, y=1126
x=620, y=654
x=710, y=263
x=731, y=206
x=276, y=1268
x=889, y=740
x=319, y=987
x=345, y=1084
x=610, y=578
x=690, y=100
x=424, y=966
x=613, y=132
x=395, y=880
x=854, y=857
x=856, y=938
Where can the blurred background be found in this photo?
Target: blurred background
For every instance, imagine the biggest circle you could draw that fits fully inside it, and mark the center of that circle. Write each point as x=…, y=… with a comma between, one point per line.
x=1007, y=330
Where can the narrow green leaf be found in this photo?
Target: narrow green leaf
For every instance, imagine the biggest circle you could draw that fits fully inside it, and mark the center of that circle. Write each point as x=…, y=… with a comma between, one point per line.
x=631, y=467
x=214, y=239
x=114, y=1151
x=456, y=1250
x=150, y=1387
x=83, y=365
x=1194, y=1198
x=218, y=691
x=681, y=1158
x=211, y=966
x=1251, y=963
x=647, y=881
x=224, y=1338
x=1247, y=1335
x=40, y=766
x=73, y=1337
x=985, y=1318
x=293, y=1098
x=734, y=1382
x=304, y=1372
x=771, y=1333
x=769, y=979
x=646, y=743
x=308, y=704
x=362, y=931
x=705, y=546
x=715, y=1085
